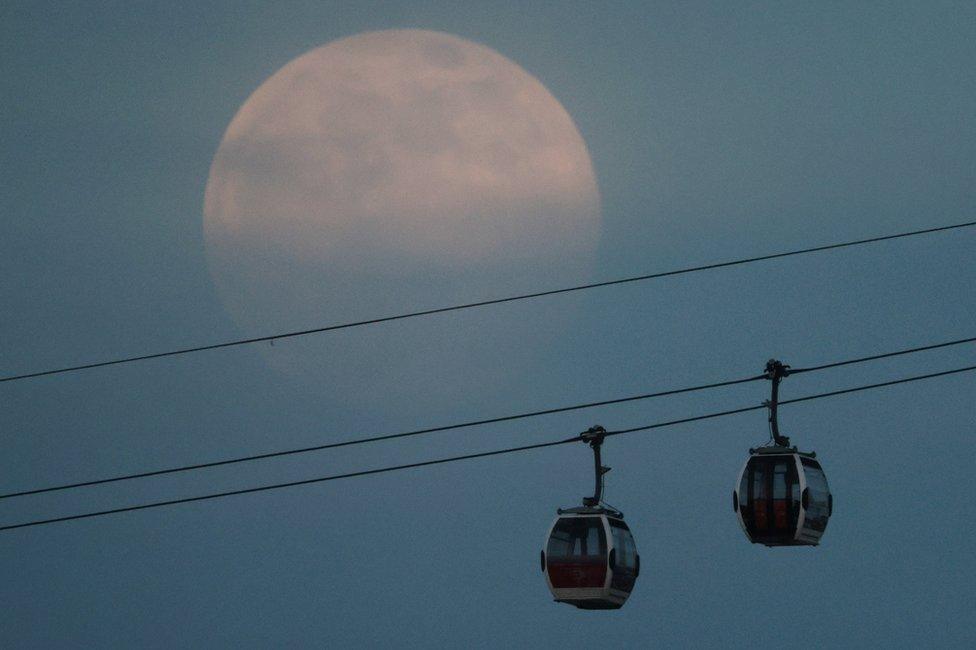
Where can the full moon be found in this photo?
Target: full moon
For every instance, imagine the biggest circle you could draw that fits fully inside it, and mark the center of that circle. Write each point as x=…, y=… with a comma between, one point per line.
x=390, y=171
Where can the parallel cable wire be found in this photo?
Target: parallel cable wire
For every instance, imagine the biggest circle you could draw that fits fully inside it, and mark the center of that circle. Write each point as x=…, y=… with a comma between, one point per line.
x=390, y=436
x=796, y=400
x=482, y=303
x=484, y=454
x=885, y=355
x=471, y=423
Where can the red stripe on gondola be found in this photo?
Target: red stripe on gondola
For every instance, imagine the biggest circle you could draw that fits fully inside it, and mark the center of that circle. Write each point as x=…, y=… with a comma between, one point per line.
x=576, y=574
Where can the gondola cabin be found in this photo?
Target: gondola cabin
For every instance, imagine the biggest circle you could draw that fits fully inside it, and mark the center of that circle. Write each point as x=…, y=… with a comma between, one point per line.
x=590, y=559
x=782, y=498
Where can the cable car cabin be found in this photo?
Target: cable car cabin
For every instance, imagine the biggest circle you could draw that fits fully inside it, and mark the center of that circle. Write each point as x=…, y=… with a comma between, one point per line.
x=590, y=559
x=782, y=498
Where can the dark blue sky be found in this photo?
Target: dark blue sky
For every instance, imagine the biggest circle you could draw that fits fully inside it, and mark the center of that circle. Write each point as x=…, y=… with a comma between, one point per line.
x=716, y=132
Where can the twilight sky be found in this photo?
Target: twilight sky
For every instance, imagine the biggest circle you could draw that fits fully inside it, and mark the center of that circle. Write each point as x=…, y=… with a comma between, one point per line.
x=715, y=132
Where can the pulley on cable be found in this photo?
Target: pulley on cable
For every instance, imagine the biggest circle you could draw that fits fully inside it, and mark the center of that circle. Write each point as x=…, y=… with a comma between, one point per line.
x=782, y=497
x=590, y=559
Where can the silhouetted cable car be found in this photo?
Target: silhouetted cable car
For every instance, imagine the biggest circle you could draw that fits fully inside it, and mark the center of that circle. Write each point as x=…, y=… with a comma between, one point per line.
x=590, y=559
x=782, y=497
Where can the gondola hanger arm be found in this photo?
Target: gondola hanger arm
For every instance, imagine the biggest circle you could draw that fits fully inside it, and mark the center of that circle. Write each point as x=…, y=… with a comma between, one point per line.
x=594, y=437
x=775, y=372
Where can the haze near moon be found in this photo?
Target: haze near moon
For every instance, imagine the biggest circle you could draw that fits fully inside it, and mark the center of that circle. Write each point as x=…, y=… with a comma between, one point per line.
x=393, y=170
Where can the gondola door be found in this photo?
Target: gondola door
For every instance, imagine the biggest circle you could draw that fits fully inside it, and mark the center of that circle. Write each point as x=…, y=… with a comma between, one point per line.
x=771, y=507
x=576, y=555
